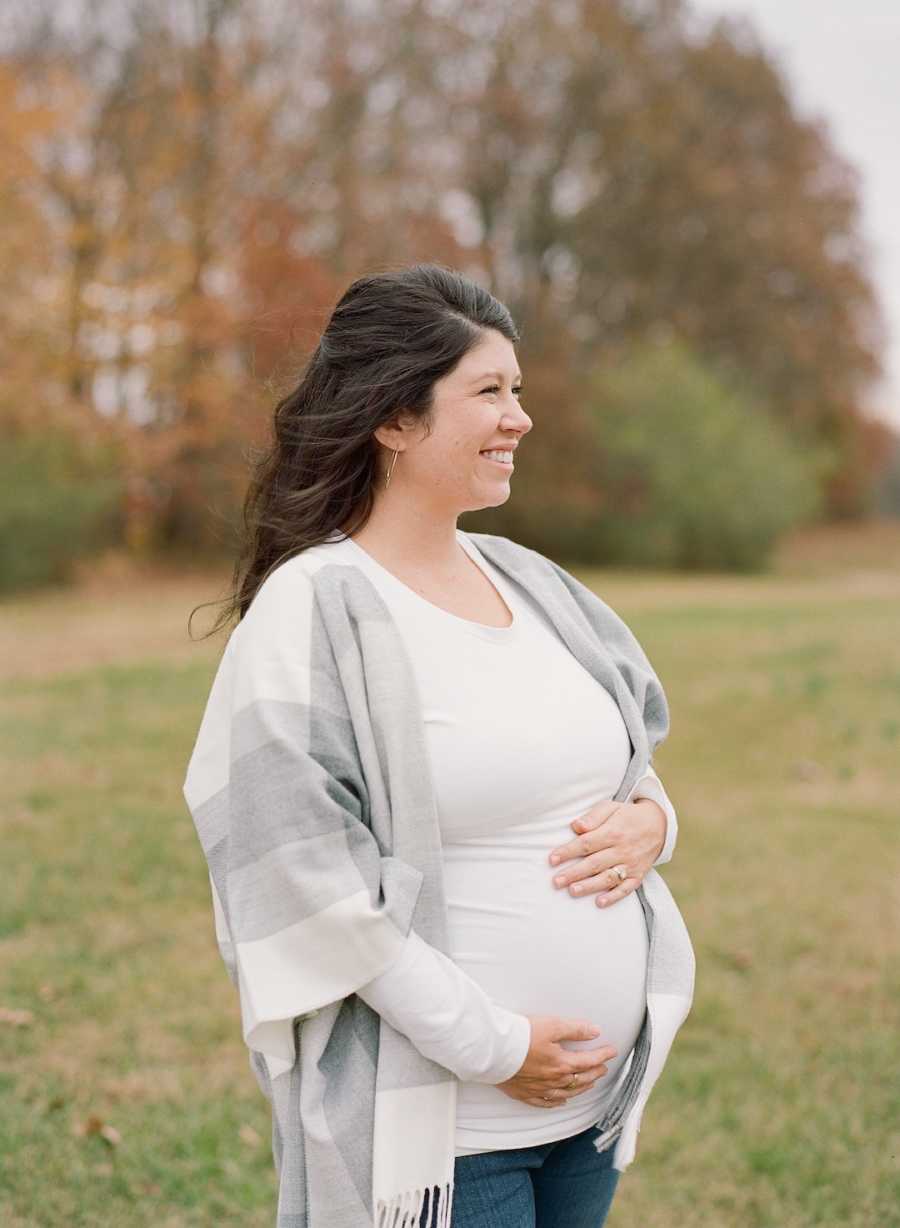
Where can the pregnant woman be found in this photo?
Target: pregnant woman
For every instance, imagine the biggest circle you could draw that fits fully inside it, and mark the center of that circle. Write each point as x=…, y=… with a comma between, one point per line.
x=423, y=764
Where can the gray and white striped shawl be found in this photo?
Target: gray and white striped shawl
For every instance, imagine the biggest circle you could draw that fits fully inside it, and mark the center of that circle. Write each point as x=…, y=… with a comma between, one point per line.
x=310, y=789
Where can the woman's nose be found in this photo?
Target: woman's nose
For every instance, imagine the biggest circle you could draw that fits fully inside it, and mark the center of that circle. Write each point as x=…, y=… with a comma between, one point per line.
x=519, y=420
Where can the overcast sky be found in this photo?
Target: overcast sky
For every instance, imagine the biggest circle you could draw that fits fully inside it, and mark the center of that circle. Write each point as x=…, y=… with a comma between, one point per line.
x=842, y=60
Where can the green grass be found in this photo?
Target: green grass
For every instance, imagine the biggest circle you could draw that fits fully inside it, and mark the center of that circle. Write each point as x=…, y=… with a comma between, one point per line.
x=106, y=937
x=778, y=1107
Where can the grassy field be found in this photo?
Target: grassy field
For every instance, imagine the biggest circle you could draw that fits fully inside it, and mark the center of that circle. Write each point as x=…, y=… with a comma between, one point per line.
x=126, y=1095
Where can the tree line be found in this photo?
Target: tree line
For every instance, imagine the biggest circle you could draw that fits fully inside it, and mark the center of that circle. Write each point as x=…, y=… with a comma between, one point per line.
x=188, y=187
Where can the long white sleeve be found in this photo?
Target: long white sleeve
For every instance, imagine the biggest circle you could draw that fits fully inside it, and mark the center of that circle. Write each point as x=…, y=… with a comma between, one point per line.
x=650, y=786
x=448, y=1016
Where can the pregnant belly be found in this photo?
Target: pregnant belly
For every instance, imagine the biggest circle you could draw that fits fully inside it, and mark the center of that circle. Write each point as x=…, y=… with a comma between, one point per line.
x=536, y=949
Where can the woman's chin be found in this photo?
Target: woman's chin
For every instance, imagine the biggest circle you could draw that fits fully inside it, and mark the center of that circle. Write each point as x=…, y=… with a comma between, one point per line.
x=498, y=490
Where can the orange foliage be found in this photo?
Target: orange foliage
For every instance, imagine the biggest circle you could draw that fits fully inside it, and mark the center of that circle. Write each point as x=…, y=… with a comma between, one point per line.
x=179, y=213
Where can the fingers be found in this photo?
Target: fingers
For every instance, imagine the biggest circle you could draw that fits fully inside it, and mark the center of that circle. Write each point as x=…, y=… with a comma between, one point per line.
x=582, y=1064
x=595, y=817
x=594, y=874
x=592, y=1062
x=558, y=1027
x=618, y=893
x=591, y=838
x=591, y=842
x=553, y=1066
x=560, y=1093
x=560, y=1030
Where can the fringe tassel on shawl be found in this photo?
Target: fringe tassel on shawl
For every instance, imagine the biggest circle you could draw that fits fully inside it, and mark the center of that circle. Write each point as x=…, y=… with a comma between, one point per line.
x=405, y=1209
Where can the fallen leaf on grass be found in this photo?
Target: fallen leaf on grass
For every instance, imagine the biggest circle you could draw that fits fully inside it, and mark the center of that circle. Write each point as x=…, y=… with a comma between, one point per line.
x=96, y=1125
x=19, y=1018
x=737, y=959
x=806, y=769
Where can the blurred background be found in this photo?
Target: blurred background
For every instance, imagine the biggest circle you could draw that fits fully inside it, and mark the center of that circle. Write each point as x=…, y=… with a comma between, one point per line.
x=690, y=210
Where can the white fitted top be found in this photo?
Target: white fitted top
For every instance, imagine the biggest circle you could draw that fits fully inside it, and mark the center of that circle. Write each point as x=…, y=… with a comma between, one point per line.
x=521, y=740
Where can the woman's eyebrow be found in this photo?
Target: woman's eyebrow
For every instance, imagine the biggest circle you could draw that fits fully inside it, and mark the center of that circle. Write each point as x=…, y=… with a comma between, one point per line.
x=496, y=375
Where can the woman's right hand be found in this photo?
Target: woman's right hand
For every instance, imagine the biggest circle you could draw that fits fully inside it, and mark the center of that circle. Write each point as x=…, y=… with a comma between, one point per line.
x=548, y=1067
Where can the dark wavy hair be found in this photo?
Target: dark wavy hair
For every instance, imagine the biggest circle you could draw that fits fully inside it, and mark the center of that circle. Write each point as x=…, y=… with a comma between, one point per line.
x=392, y=335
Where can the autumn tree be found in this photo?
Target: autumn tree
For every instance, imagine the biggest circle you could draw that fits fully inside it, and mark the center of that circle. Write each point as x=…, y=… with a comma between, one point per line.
x=191, y=186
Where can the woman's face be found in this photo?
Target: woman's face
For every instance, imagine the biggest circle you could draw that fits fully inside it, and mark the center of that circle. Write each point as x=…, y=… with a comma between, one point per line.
x=476, y=407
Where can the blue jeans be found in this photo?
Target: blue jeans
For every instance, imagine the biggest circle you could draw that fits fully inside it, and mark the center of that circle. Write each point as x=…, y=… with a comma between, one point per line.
x=564, y=1184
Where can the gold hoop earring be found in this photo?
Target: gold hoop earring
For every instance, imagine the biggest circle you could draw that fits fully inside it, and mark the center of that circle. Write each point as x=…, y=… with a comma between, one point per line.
x=387, y=480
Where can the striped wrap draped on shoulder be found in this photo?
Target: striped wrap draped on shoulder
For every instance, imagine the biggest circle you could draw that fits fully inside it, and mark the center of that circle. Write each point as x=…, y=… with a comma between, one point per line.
x=310, y=791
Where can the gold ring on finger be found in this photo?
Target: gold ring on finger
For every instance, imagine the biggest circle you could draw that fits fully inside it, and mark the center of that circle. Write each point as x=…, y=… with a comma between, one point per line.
x=574, y=1082
x=621, y=872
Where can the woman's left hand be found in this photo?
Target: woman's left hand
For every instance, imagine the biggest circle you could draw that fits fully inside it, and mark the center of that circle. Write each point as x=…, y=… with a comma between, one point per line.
x=629, y=834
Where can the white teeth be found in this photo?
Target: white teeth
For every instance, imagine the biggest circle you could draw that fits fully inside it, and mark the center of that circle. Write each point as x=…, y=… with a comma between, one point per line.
x=500, y=456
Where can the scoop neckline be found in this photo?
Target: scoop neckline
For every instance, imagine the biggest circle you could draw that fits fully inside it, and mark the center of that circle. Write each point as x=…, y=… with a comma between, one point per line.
x=497, y=635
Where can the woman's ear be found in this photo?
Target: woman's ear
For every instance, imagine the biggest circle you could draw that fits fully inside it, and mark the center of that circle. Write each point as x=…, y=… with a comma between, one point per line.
x=394, y=434
x=388, y=436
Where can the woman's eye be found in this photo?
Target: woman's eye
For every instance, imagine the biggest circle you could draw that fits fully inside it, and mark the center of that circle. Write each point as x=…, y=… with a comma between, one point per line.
x=496, y=388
